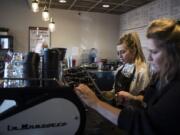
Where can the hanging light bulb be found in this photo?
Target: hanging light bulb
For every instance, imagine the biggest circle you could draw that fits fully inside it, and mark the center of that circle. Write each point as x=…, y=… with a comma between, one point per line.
x=52, y=25
x=35, y=6
x=45, y=14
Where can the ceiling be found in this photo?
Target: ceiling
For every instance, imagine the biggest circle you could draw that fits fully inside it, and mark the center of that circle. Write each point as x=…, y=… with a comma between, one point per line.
x=116, y=6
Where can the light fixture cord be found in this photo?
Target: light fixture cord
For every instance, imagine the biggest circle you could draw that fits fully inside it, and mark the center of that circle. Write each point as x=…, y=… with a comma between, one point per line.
x=45, y=4
x=49, y=4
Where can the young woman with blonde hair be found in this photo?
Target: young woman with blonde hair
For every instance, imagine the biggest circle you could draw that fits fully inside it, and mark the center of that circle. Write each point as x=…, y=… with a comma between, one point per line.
x=130, y=52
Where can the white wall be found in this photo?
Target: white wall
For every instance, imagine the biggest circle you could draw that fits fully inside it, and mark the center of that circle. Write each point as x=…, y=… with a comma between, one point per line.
x=138, y=19
x=72, y=30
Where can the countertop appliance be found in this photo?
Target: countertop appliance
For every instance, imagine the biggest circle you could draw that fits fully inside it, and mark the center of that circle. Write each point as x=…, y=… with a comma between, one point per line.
x=41, y=111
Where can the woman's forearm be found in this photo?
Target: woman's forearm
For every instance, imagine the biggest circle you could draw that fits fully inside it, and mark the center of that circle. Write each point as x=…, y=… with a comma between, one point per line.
x=90, y=99
x=139, y=98
x=109, y=112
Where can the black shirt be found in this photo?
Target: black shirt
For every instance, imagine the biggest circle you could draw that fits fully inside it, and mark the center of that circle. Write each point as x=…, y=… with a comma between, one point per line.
x=160, y=116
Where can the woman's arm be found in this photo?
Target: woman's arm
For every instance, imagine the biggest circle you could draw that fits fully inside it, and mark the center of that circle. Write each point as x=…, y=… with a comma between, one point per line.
x=123, y=97
x=89, y=98
x=109, y=112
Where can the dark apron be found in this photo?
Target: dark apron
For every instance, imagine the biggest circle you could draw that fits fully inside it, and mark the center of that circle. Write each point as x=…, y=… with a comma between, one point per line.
x=122, y=81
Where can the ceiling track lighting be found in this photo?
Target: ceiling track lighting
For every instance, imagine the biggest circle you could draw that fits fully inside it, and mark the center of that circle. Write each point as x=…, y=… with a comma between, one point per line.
x=35, y=6
x=62, y=1
x=105, y=5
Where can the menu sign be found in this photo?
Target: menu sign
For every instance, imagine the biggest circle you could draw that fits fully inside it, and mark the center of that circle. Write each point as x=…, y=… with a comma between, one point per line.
x=38, y=35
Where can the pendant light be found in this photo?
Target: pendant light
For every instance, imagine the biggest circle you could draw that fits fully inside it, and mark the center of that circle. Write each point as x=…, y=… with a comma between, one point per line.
x=52, y=25
x=45, y=14
x=35, y=6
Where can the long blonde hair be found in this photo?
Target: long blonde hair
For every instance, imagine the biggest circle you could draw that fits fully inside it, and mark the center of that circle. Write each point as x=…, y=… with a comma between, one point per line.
x=167, y=31
x=133, y=44
x=132, y=41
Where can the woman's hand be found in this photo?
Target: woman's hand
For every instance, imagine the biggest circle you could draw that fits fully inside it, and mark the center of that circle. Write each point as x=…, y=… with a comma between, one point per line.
x=87, y=95
x=124, y=97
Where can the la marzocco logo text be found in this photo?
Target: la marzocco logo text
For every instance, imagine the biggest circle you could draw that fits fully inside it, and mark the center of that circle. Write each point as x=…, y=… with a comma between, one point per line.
x=35, y=126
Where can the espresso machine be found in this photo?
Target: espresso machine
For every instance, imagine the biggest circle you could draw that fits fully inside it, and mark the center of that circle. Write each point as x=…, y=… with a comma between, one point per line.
x=41, y=111
x=47, y=109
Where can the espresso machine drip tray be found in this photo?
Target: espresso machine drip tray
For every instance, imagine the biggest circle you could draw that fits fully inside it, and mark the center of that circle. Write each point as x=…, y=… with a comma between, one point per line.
x=41, y=111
